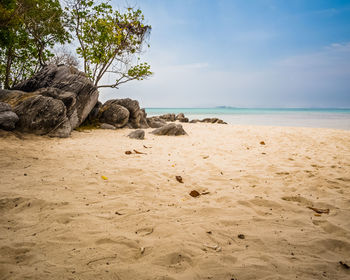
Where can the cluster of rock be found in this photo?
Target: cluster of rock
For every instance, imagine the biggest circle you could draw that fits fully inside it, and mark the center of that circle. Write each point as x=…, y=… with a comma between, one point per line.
x=181, y=118
x=60, y=98
x=54, y=101
x=209, y=120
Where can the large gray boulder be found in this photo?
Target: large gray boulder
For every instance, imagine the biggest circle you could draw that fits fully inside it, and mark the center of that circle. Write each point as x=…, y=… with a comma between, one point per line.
x=137, y=117
x=66, y=79
x=155, y=122
x=114, y=114
x=8, y=118
x=43, y=115
x=45, y=111
x=170, y=129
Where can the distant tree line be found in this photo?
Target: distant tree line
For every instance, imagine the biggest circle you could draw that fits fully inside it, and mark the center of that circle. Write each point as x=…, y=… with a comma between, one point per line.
x=109, y=41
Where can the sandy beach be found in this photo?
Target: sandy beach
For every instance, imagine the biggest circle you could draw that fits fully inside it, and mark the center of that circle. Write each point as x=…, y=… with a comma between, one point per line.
x=274, y=203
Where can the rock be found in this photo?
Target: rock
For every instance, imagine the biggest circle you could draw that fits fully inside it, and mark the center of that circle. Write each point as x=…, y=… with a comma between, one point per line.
x=8, y=118
x=168, y=117
x=143, y=119
x=42, y=100
x=185, y=120
x=213, y=120
x=194, y=121
x=137, y=117
x=155, y=122
x=179, y=116
x=43, y=115
x=107, y=126
x=114, y=114
x=137, y=134
x=170, y=129
x=209, y=120
x=93, y=115
x=66, y=79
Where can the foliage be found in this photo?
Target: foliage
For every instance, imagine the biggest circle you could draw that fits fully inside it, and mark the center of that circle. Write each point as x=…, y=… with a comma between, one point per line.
x=109, y=41
x=28, y=29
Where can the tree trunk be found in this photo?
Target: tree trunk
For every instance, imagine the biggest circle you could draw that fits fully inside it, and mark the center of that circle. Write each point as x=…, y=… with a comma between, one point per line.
x=8, y=68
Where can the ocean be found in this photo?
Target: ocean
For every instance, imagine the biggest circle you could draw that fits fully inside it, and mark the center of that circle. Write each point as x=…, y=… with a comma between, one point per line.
x=324, y=118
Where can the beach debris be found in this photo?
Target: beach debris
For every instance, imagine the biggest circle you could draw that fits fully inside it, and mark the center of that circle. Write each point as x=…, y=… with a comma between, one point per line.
x=149, y=147
x=102, y=259
x=140, y=153
x=204, y=193
x=241, y=236
x=344, y=265
x=128, y=152
x=319, y=210
x=262, y=143
x=194, y=193
x=209, y=232
x=104, y=177
x=205, y=157
x=217, y=248
x=142, y=250
x=137, y=134
x=179, y=179
x=117, y=213
x=144, y=231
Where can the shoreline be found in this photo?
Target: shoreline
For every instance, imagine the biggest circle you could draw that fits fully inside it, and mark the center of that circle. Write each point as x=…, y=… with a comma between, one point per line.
x=63, y=220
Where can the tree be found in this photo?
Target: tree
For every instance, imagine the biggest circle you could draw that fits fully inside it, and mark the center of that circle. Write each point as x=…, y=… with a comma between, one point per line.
x=28, y=29
x=109, y=41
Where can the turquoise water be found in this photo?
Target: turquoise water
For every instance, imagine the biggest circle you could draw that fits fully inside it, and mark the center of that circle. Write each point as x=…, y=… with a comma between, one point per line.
x=299, y=117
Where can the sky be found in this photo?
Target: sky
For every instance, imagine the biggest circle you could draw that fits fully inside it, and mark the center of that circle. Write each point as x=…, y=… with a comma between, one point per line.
x=244, y=53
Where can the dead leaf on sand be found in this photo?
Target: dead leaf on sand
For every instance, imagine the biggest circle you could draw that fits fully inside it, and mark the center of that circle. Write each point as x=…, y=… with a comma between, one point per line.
x=262, y=143
x=344, y=265
x=128, y=152
x=179, y=179
x=140, y=153
x=319, y=210
x=194, y=193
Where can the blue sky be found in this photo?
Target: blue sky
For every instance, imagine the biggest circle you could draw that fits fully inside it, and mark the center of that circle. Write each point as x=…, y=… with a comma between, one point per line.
x=244, y=53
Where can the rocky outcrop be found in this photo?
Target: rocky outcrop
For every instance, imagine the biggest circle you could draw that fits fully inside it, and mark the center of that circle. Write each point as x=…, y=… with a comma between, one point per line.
x=168, y=117
x=66, y=79
x=54, y=101
x=114, y=114
x=137, y=134
x=209, y=120
x=43, y=115
x=170, y=129
x=8, y=118
x=181, y=118
x=155, y=122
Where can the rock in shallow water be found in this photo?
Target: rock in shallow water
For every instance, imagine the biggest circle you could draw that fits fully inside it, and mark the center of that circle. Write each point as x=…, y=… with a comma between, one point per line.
x=170, y=129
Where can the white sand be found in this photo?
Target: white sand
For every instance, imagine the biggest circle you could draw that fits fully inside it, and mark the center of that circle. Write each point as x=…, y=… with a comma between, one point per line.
x=63, y=221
